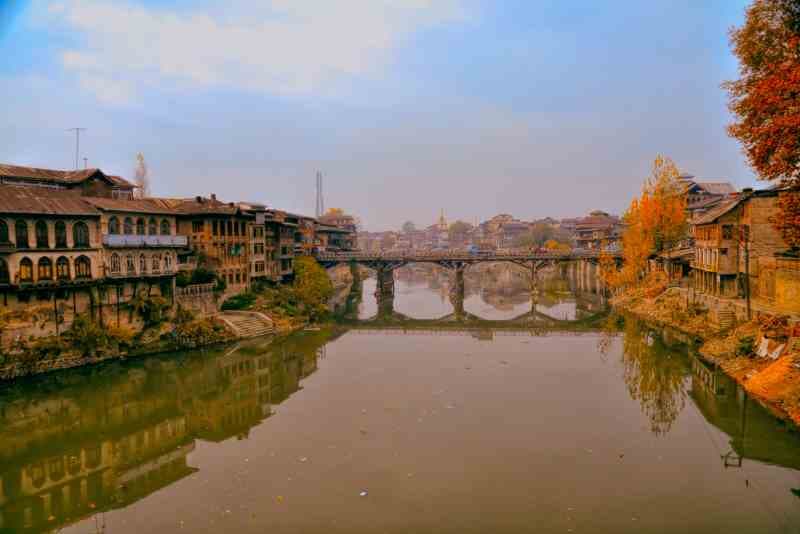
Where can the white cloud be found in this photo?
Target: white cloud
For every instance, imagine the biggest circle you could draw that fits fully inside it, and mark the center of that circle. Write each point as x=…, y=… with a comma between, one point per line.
x=278, y=46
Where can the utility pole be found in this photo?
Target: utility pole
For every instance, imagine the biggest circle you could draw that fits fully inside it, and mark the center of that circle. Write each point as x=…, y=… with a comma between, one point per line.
x=77, y=143
x=85, y=163
x=320, y=201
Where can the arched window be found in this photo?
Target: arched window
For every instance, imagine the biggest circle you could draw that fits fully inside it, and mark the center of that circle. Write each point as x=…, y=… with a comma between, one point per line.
x=165, y=227
x=130, y=266
x=21, y=233
x=167, y=262
x=61, y=234
x=25, y=270
x=3, y=231
x=4, y=278
x=113, y=225
x=80, y=235
x=83, y=267
x=140, y=226
x=45, y=269
x=152, y=228
x=156, y=263
x=115, y=263
x=62, y=268
x=42, y=237
x=127, y=226
x=142, y=264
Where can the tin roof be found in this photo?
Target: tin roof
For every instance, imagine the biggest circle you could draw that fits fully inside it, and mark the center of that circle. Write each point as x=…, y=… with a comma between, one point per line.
x=54, y=176
x=718, y=211
x=42, y=201
x=143, y=205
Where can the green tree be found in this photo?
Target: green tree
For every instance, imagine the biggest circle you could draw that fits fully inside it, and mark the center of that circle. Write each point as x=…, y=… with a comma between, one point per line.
x=408, y=227
x=312, y=286
x=458, y=230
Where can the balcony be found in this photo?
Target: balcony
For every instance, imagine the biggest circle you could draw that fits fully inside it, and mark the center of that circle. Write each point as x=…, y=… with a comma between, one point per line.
x=144, y=241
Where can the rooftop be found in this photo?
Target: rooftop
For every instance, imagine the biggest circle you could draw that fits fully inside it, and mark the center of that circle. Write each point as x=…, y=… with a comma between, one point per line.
x=42, y=201
x=54, y=176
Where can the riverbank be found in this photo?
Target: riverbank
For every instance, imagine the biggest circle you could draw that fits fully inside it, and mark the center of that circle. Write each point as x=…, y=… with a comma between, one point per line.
x=763, y=355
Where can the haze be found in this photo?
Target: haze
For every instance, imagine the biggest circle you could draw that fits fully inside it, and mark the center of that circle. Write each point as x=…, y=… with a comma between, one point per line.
x=535, y=108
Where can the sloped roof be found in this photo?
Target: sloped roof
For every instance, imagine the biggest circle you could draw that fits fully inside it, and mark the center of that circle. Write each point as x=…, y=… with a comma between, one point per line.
x=201, y=206
x=41, y=201
x=143, y=205
x=55, y=176
x=717, y=188
x=717, y=211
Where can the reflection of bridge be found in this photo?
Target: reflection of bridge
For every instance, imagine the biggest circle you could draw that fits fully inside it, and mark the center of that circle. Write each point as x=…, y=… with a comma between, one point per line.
x=386, y=263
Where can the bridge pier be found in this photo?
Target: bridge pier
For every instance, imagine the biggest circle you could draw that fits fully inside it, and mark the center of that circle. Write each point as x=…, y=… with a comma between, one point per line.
x=384, y=290
x=457, y=293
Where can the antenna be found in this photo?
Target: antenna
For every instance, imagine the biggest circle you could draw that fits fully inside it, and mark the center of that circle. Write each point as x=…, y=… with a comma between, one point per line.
x=320, y=199
x=77, y=143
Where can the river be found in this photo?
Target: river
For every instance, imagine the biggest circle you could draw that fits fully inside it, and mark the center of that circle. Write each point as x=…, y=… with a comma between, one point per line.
x=518, y=416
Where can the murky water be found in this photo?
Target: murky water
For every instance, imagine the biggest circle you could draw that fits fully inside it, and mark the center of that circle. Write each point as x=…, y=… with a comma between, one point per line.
x=457, y=426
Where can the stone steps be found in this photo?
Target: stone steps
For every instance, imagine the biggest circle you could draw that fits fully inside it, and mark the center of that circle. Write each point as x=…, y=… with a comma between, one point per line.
x=727, y=318
x=246, y=324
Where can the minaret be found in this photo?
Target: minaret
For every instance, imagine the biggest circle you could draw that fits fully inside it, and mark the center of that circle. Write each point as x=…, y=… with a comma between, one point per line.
x=442, y=222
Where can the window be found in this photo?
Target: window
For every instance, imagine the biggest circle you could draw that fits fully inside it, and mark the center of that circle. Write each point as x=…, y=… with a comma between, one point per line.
x=197, y=226
x=25, y=270
x=113, y=225
x=80, y=235
x=4, y=277
x=45, y=269
x=127, y=226
x=167, y=262
x=62, y=268
x=142, y=264
x=115, y=263
x=3, y=232
x=21, y=233
x=165, y=227
x=156, y=263
x=727, y=231
x=140, y=226
x=130, y=266
x=61, y=234
x=230, y=227
x=83, y=267
x=151, y=226
x=723, y=252
x=214, y=228
x=42, y=237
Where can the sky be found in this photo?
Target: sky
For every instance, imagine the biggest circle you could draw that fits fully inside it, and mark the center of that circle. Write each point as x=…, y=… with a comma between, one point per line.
x=407, y=107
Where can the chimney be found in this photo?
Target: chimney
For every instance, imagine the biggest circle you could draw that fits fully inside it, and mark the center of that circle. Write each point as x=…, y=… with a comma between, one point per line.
x=214, y=197
x=199, y=199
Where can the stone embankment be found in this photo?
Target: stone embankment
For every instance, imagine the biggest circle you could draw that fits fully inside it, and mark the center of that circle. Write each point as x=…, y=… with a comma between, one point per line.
x=762, y=354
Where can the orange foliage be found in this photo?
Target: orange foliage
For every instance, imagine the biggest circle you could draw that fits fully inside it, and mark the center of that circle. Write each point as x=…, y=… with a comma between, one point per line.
x=655, y=221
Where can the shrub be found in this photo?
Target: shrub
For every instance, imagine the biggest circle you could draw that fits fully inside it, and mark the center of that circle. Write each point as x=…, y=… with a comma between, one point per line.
x=745, y=346
x=242, y=301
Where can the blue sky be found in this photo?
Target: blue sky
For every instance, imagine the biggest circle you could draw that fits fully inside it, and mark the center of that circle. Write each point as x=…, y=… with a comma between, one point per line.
x=530, y=107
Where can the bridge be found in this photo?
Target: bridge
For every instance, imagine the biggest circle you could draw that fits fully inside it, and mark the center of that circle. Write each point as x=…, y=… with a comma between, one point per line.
x=385, y=263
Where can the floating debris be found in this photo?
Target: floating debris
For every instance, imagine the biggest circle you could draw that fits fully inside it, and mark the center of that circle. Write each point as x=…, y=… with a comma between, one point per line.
x=363, y=493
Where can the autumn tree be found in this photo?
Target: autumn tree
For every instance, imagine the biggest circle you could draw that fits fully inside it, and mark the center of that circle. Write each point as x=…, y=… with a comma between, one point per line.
x=654, y=221
x=765, y=101
x=458, y=231
x=312, y=286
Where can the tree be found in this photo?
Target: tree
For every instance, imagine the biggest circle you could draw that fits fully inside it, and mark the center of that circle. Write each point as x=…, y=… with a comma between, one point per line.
x=142, y=178
x=312, y=286
x=458, y=230
x=408, y=227
x=655, y=221
x=765, y=102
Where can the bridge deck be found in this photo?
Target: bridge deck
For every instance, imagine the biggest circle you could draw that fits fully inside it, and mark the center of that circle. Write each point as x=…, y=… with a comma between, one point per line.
x=465, y=257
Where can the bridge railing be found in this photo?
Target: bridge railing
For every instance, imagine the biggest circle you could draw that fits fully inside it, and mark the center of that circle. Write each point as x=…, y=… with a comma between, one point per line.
x=455, y=254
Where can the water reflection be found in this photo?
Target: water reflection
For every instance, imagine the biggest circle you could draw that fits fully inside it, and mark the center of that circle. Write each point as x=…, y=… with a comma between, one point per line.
x=387, y=410
x=81, y=442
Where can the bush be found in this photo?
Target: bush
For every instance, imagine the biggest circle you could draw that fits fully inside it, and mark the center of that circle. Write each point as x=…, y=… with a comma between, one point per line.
x=745, y=346
x=242, y=301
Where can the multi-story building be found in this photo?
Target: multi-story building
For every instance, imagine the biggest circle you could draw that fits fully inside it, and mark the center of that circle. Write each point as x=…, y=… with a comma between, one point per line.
x=305, y=238
x=85, y=182
x=50, y=248
x=597, y=230
x=731, y=239
x=140, y=245
x=218, y=233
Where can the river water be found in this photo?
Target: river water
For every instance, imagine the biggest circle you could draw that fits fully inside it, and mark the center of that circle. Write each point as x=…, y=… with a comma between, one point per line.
x=518, y=417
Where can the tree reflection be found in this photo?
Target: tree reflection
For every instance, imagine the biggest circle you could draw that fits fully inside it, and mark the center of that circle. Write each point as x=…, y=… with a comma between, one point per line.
x=654, y=375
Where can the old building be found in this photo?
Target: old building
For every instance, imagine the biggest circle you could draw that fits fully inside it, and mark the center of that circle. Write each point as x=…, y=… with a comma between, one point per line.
x=50, y=249
x=597, y=230
x=731, y=242
x=85, y=182
x=218, y=233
